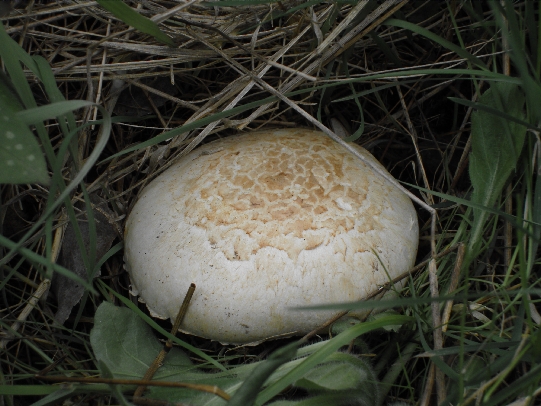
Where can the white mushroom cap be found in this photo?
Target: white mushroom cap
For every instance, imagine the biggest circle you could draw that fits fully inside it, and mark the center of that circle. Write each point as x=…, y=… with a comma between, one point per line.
x=262, y=223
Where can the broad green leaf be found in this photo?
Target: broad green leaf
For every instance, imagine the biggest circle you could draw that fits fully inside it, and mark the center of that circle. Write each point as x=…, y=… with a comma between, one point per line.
x=496, y=147
x=150, y=322
x=21, y=158
x=342, y=379
x=127, y=346
x=490, y=110
x=131, y=17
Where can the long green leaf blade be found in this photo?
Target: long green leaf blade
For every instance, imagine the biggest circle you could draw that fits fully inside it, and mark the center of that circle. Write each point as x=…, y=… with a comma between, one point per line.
x=496, y=146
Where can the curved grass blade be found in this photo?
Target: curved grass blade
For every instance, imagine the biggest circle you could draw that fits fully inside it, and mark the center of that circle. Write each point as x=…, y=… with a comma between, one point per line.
x=439, y=40
x=42, y=113
x=246, y=394
x=131, y=17
x=322, y=353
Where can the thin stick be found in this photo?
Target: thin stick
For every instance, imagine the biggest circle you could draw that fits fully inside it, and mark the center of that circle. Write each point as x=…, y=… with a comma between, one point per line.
x=41, y=291
x=427, y=392
x=455, y=277
x=332, y=135
x=202, y=388
x=168, y=345
x=261, y=58
x=436, y=325
x=413, y=135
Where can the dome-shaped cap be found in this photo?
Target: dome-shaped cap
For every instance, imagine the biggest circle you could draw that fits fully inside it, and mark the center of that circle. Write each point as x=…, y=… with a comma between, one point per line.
x=262, y=223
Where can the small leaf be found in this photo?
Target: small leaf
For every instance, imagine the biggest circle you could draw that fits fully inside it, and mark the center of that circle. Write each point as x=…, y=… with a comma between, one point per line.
x=21, y=158
x=134, y=19
x=496, y=147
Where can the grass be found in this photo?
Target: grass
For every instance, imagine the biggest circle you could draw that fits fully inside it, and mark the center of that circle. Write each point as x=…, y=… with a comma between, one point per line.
x=445, y=94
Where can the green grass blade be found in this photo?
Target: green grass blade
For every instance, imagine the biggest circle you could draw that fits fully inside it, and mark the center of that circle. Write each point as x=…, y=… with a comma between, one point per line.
x=192, y=126
x=322, y=353
x=359, y=132
x=437, y=39
x=38, y=259
x=131, y=17
x=56, y=397
x=42, y=113
x=12, y=56
x=234, y=3
x=67, y=122
x=28, y=390
x=487, y=75
x=495, y=112
x=246, y=394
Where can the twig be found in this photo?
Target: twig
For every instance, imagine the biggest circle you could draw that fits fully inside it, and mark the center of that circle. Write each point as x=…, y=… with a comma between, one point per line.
x=455, y=278
x=169, y=343
x=167, y=384
x=429, y=385
x=413, y=135
x=41, y=290
x=436, y=325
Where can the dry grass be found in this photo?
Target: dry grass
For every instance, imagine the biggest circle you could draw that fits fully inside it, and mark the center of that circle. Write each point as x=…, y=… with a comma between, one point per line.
x=335, y=65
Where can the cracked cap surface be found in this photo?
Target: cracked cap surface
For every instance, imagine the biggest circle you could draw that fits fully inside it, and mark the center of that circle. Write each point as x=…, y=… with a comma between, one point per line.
x=263, y=222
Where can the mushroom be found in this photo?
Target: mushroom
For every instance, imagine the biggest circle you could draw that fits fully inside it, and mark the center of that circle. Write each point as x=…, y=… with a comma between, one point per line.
x=264, y=223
